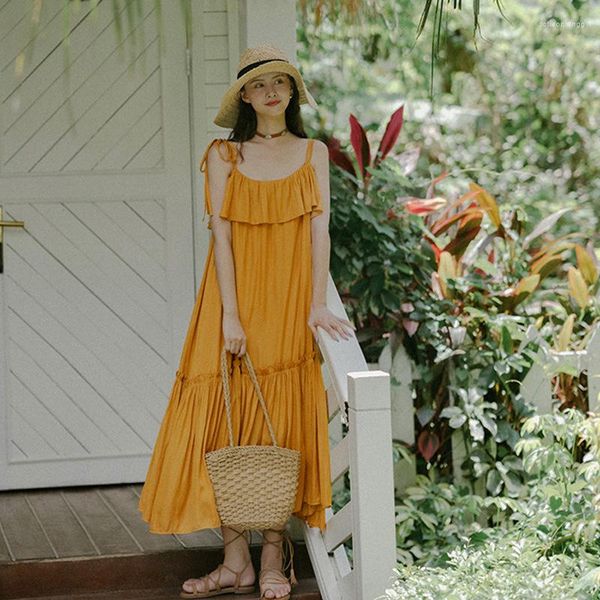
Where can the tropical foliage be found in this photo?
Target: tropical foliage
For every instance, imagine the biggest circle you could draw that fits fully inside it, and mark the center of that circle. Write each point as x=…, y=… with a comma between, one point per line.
x=456, y=545
x=456, y=241
x=517, y=113
x=458, y=279
x=372, y=14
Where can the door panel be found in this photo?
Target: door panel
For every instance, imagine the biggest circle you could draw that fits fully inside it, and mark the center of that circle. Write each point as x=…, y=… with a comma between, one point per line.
x=97, y=288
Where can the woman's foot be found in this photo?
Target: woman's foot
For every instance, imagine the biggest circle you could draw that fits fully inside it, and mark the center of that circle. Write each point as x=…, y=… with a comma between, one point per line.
x=235, y=574
x=223, y=577
x=272, y=580
x=274, y=585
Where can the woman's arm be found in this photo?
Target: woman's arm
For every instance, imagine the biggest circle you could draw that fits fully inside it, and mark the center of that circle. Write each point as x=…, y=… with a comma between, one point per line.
x=218, y=171
x=319, y=224
x=321, y=247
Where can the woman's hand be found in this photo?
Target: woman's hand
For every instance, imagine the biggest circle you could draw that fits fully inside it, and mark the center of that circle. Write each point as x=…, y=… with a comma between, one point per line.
x=321, y=316
x=233, y=332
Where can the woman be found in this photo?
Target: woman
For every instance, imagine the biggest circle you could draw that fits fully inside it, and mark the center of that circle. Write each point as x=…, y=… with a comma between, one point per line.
x=263, y=291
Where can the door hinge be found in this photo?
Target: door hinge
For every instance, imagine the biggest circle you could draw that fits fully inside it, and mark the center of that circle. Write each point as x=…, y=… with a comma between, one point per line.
x=188, y=61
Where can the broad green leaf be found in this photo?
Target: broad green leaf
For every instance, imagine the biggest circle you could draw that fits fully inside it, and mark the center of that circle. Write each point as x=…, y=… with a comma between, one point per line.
x=532, y=424
x=493, y=482
x=555, y=503
x=458, y=421
x=507, y=344
x=578, y=287
x=564, y=337
x=512, y=483
x=489, y=423
x=488, y=204
x=476, y=430
x=586, y=265
x=544, y=225
x=451, y=411
x=424, y=414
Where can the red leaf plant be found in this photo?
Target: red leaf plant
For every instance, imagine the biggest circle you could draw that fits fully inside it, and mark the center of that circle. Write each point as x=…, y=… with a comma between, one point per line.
x=362, y=149
x=428, y=444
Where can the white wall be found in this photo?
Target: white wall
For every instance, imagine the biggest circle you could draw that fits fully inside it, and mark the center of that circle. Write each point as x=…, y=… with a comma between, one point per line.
x=265, y=21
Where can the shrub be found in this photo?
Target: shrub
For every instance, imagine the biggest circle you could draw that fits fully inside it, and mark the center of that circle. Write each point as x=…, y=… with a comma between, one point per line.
x=501, y=571
x=456, y=546
x=458, y=280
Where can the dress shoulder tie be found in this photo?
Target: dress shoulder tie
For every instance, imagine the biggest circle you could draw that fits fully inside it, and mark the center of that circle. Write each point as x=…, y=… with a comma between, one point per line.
x=228, y=153
x=309, y=149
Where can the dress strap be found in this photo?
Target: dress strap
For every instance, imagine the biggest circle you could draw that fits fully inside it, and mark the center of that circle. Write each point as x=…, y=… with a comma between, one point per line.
x=309, y=148
x=230, y=155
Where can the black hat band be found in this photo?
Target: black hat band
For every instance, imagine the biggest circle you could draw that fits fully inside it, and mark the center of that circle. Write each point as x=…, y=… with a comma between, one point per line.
x=257, y=64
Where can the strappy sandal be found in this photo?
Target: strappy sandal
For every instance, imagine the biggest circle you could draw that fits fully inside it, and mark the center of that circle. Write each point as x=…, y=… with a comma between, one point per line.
x=207, y=580
x=270, y=575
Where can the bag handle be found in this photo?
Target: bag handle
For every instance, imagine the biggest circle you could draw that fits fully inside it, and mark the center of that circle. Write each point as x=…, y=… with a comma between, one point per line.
x=227, y=392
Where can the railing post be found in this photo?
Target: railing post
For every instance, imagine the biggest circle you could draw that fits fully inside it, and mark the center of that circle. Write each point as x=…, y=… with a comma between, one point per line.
x=403, y=423
x=371, y=482
x=593, y=369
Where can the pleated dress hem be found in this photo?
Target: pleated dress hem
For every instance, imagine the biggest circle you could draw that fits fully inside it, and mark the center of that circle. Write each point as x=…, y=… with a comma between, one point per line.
x=195, y=424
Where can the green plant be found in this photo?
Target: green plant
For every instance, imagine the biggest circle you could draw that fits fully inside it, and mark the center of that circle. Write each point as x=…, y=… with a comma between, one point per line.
x=502, y=571
x=561, y=454
x=492, y=283
x=373, y=258
x=535, y=108
x=458, y=281
x=454, y=545
x=434, y=517
x=519, y=113
x=373, y=24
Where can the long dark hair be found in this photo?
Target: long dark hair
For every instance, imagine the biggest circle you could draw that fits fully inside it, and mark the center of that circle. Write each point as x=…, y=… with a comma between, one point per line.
x=245, y=126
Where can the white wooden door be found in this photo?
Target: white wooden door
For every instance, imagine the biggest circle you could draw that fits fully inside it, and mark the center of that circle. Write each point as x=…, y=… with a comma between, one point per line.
x=97, y=289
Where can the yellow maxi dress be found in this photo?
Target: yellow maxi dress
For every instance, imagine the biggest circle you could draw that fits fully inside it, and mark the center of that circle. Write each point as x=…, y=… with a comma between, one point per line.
x=271, y=245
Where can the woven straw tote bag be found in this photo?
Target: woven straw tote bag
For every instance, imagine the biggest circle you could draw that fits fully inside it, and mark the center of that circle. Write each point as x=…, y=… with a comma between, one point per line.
x=255, y=486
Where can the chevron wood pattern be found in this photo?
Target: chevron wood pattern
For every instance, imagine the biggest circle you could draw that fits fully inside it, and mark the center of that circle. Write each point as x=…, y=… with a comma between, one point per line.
x=96, y=290
x=87, y=328
x=95, y=113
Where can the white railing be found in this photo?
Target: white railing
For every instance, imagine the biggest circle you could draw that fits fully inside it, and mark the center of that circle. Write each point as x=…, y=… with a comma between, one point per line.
x=537, y=386
x=403, y=424
x=359, y=402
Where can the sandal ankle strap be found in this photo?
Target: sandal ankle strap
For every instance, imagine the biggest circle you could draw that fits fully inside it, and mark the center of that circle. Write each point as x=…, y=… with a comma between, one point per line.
x=239, y=534
x=286, y=562
x=238, y=574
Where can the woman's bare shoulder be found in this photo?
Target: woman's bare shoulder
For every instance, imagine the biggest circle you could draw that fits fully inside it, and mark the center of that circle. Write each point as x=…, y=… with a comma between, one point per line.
x=220, y=154
x=320, y=153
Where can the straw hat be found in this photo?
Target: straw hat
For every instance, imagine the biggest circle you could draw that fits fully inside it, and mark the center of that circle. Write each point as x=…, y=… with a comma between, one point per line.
x=254, y=62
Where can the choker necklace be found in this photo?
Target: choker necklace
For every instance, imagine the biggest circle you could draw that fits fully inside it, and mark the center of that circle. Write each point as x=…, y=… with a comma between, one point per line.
x=268, y=136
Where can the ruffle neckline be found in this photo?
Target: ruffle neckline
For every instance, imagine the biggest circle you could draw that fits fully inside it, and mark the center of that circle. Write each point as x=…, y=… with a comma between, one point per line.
x=236, y=170
x=257, y=201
